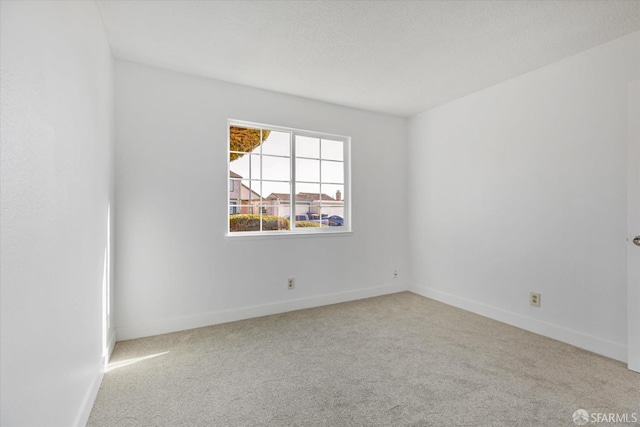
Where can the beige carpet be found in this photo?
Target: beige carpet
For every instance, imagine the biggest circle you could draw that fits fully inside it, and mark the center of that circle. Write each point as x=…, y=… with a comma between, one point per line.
x=396, y=360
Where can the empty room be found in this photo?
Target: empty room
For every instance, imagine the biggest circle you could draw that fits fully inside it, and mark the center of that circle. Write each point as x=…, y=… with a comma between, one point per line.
x=319, y=213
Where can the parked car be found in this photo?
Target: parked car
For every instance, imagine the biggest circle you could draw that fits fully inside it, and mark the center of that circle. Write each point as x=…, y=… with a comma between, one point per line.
x=316, y=218
x=299, y=217
x=335, y=221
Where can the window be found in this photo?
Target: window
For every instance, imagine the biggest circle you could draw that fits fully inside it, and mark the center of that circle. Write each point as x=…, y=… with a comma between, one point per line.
x=285, y=181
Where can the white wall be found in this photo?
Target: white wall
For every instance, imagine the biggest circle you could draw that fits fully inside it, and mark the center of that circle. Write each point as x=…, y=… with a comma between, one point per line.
x=175, y=267
x=522, y=187
x=56, y=186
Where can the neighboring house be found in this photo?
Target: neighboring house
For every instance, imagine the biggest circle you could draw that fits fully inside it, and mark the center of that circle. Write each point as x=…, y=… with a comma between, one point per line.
x=306, y=203
x=242, y=200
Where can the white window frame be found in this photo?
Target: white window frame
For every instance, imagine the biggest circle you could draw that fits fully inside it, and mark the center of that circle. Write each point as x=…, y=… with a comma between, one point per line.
x=345, y=229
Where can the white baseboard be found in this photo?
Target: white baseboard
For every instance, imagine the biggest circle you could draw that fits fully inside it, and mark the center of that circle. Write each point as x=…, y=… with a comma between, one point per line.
x=92, y=393
x=111, y=344
x=569, y=336
x=213, y=318
x=90, y=397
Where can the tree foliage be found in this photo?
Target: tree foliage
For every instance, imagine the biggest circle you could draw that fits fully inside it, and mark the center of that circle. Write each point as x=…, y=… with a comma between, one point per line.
x=245, y=140
x=306, y=224
x=250, y=222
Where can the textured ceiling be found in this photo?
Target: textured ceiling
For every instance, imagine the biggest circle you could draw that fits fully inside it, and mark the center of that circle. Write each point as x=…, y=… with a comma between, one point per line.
x=397, y=57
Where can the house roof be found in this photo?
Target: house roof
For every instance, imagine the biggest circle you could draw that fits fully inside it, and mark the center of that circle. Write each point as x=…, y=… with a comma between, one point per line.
x=313, y=196
x=244, y=193
x=307, y=197
x=232, y=174
x=279, y=196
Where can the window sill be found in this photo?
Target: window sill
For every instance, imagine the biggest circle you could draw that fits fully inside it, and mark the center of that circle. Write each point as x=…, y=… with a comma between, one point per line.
x=248, y=235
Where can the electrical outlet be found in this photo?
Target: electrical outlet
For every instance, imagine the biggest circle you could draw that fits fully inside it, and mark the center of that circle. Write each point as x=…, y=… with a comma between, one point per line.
x=534, y=299
x=395, y=274
x=291, y=284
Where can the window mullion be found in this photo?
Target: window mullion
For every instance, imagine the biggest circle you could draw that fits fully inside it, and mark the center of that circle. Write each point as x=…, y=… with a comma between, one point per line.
x=320, y=175
x=292, y=197
x=346, y=179
x=260, y=201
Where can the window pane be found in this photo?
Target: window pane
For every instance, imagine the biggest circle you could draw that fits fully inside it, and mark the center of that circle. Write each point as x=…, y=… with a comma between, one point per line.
x=336, y=192
x=333, y=210
x=333, y=216
x=276, y=168
x=250, y=190
x=276, y=198
x=273, y=222
x=240, y=166
x=255, y=166
x=307, y=147
x=332, y=171
x=248, y=197
x=332, y=150
x=283, y=211
x=276, y=190
x=277, y=143
x=244, y=139
x=307, y=170
x=307, y=199
x=307, y=188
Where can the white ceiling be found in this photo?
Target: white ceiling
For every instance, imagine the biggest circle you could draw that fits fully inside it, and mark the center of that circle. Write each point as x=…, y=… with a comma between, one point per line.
x=396, y=57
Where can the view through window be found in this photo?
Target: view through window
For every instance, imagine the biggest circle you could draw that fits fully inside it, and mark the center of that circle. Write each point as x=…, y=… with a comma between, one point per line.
x=285, y=180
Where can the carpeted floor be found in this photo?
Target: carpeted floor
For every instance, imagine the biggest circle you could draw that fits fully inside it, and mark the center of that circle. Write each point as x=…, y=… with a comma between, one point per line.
x=395, y=360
